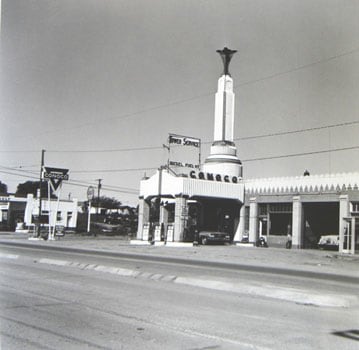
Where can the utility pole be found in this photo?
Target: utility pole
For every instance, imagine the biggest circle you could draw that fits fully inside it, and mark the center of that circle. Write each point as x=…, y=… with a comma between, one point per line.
x=98, y=195
x=40, y=194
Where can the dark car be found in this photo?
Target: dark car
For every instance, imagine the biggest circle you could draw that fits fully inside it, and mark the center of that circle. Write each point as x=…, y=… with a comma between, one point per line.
x=206, y=237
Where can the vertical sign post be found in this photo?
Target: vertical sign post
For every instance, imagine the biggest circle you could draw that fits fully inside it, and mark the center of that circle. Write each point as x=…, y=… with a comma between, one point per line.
x=90, y=196
x=52, y=237
x=38, y=225
x=54, y=176
x=49, y=209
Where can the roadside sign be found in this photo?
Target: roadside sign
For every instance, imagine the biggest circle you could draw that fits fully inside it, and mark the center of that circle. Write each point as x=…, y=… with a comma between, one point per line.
x=90, y=196
x=55, y=176
x=90, y=193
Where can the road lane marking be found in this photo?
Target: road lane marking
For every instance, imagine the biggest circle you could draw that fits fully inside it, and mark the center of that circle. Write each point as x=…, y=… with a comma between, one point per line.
x=8, y=256
x=299, y=296
x=108, y=269
x=239, y=343
x=168, y=278
x=54, y=262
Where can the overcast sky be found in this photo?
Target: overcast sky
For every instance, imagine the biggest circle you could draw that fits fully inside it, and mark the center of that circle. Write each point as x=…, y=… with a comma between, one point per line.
x=87, y=80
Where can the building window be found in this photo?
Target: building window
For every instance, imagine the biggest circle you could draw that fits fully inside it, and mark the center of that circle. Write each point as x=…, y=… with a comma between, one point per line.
x=280, y=207
x=355, y=207
x=69, y=216
x=45, y=216
x=263, y=209
x=171, y=215
x=58, y=216
x=246, y=217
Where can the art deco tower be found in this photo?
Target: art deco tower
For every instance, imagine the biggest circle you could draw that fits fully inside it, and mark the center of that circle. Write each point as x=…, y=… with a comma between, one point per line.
x=223, y=155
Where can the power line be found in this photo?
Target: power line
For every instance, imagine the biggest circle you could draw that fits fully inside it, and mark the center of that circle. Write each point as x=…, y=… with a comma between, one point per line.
x=296, y=131
x=103, y=188
x=154, y=168
x=120, y=191
x=112, y=170
x=109, y=187
x=72, y=180
x=301, y=154
x=304, y=66
x=108, y=150
x=166, y=105
x=128, y=115
x=19, y=170
x=135, y=192
x=25, y=173
x=72, y=183
x=21, y=175
x=245, y=160
x=280, y=133
x=145, y=148
x=17, y=151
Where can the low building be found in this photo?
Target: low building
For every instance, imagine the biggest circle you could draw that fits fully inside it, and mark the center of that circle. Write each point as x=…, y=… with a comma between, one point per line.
x=12, y=210
x=23, y=212
x=307, y=207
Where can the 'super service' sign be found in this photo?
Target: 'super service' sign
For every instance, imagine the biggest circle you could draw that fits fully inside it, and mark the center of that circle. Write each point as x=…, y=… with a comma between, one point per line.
x=184, y=141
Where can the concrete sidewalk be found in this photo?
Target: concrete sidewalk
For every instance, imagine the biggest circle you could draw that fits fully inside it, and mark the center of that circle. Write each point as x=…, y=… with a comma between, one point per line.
x=318, y=261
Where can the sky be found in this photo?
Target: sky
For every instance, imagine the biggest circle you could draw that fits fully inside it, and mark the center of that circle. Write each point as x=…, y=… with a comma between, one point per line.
x=99, y=85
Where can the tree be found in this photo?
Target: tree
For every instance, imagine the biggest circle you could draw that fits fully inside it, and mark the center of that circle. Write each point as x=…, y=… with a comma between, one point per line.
x=3, y=188
x=31, y=187
x=105, y=202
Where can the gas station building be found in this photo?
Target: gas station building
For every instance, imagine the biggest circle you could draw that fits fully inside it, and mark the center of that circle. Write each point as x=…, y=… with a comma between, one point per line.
x=218, y=198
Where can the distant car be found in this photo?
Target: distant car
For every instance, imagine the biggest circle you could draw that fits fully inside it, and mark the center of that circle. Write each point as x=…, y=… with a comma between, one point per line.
x=206, y=237
x=330, y=242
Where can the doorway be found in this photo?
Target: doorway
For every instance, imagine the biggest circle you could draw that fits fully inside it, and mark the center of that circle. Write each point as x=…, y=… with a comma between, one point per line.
x=217, y=215
x=320, y=219
x=350, y=236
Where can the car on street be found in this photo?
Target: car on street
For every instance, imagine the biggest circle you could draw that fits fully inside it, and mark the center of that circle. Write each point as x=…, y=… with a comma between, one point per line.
x=207, y=237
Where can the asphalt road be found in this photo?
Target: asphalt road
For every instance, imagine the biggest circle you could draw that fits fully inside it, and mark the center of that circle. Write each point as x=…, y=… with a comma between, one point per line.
x=67, y=300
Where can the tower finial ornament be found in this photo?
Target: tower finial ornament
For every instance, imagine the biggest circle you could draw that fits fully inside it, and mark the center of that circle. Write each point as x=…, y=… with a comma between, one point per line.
x=226, y=55
x=223, y=154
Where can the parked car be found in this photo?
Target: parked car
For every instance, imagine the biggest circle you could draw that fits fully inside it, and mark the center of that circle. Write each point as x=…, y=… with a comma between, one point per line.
x=206, y=237
x=330, y=242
